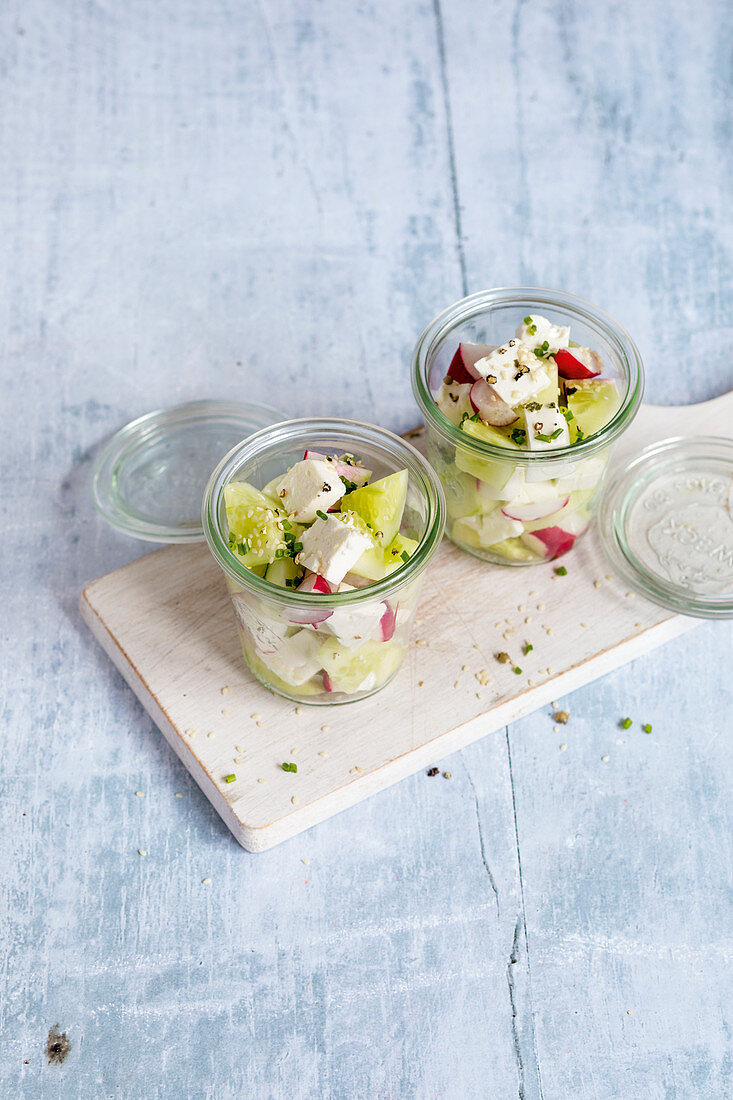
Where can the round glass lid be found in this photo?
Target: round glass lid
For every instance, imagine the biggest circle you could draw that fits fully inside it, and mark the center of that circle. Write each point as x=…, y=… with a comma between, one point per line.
x=149, y=479
x=667, y=525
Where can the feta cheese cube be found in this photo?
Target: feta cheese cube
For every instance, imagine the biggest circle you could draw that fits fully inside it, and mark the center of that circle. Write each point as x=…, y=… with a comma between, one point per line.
x=296, y=658
x=331, y=547
x=266, y=633
x=494, y=527
x=453, y=401
x=308, y=487
x=515, y=372
x=545, y=421
x=557, y=336
x=353, y=626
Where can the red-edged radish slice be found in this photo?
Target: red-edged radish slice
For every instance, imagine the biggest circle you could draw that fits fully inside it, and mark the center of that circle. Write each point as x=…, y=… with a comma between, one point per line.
x=535, y=509
x=462, y=368
x=327, y=682
x=357, y=474
x=490, y=407
x=552, y=542
x=387, y=624
x=578, y=363
x=312, y=582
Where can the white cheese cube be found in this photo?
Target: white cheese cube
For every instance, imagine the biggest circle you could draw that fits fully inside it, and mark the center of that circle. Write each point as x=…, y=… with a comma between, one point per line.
x=494, y=527
x=308, y=487
x=266, y=633
x=541, y=423
x=331, y=547
x=557, y=336
x=296, y=658
x=515, y=372
x=587, y=474
x=512, y=489
x=353, y=626
x=453, y=401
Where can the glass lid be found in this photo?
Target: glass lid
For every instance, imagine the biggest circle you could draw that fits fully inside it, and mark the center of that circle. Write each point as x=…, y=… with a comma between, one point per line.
x=149, y=479
x=667, y=525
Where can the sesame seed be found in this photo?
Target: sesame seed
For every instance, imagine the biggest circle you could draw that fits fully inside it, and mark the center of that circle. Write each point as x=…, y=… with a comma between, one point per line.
x=555, y=729
x=297, y=710
x=446, y=775
x=528, y=619
x=540, y=607
x=628, y=595
x=143, y=851
x=306, y=861
x=479, y=695
x=563, y=747
x=323, y=754
x=483, y=677
x=531, y=683
x=211, y=734
x=225, y=690
x=294, y=800
x=464, y=668
x=178, y=794
x=190, y=733
x=584, y=625
x=533, y=592
x=224, y=711
x=520, y=607
x=638, y=624
x=554, y=704
x=325, y=729
x=497, y=626
x=206, y=882
x=420, y=642
x=605, y=758
x=548, y=629
x=609, y=577
x=457, y=684
x=596, y=584
x=254, y=717
x=260, y=724
x=238, y=760
x=140, y=794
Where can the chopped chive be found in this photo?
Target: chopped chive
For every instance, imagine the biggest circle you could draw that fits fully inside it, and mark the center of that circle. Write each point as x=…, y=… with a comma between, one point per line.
x=561, y=571
x=289, y=767
x=230, y=778
x=405, y=556
x=528, y=320
x=647, y=727
x=286, y=524
x=280, y=552
x=297, y=547
x=517, y=670
x=321, y=515
x=527, y=648
x=626, y=724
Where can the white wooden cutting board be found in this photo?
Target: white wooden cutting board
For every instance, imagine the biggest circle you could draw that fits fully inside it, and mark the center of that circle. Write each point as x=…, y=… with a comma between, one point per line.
x=166, y=622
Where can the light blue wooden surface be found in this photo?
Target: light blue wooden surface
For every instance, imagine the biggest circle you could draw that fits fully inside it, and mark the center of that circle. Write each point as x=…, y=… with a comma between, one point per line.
x=269, y=201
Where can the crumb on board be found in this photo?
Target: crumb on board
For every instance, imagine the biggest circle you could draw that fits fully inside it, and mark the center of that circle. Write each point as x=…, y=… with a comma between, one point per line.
x=206, y=881
x=225, y=690
x=561, y=716
x=178, y=794
x=140, y=794
x=446, y=775
x=563, y=747
x=142, y=851
x=420, y=683
x=483, y=676
x=323, y=754
x=190, y=732
x=224, y=711
x=605, y=758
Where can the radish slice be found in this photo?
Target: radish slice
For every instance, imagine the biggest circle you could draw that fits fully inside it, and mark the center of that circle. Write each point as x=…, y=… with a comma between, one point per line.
x=551, y=542
x=312, y=582
x=387, y=624
x=535, y=509
x=327, y=683
x=578, y=363
x=463, y=364
x=490, y=407
x=357, y=474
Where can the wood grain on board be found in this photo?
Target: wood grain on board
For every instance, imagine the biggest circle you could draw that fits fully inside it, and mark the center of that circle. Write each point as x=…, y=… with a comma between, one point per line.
x=167, y=624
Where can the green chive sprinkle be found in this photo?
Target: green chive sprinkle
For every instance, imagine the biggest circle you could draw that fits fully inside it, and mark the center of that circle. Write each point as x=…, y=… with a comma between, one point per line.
x=528, y=648
x=647, y=727
x=321, y=515
x=517, y=670
x=405, y=556
x=561, y=571
x=286, y=524
x=230, y=778
x=289, y=767
x=626, y=724
x=297, y=547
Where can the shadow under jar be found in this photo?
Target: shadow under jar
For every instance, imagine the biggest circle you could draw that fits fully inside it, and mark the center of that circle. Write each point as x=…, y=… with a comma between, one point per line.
x=339, y=646
x=505, y=503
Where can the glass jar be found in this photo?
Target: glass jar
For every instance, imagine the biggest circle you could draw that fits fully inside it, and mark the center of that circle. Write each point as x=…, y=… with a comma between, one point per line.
x=504, y=504
x=337, y=647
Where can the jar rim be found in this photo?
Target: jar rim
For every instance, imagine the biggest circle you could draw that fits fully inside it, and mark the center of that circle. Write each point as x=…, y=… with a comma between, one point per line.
x=525, y=298
x=290, y=432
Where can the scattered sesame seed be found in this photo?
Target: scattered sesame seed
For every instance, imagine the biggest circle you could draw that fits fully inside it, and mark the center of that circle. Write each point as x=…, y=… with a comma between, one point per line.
x=508, y=622
x=497, y=626
x=548, y=629
x=533, y=592
x=225, y=690
x=206, y=882
x=464, y=668
x=584, y=625
x=446, y=775
x=528, y=619
x=457, y=684
x=563, y=747
x=531, y=683
x=609, y=577
x=483, y=677
x=325, y=729
x=239, y=748
x=211, y=734
x=479, y=695
x=554, y=704
x=323, y=754
x=294, y=800
x=224, y=711
x=143, y=851
x=476, y=645
x=306, y=861
x=297, y=710
x=357, y=768
x=605, y=758
x=628, y=595
x=555, y=729
x=420, y=642
x=238, y=760
x=140, y=794
x=254, y=717
x=549, y=671
x=540, y=607
x=190, y=733
x=261, y=780
x=260, y=724
x=178, y=794
x=561, y=716
x=637, y=625
x=596, y=584
x=352, y=771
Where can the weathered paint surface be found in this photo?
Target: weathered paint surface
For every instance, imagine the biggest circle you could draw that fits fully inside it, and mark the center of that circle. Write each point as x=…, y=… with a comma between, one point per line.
x=269, y=201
